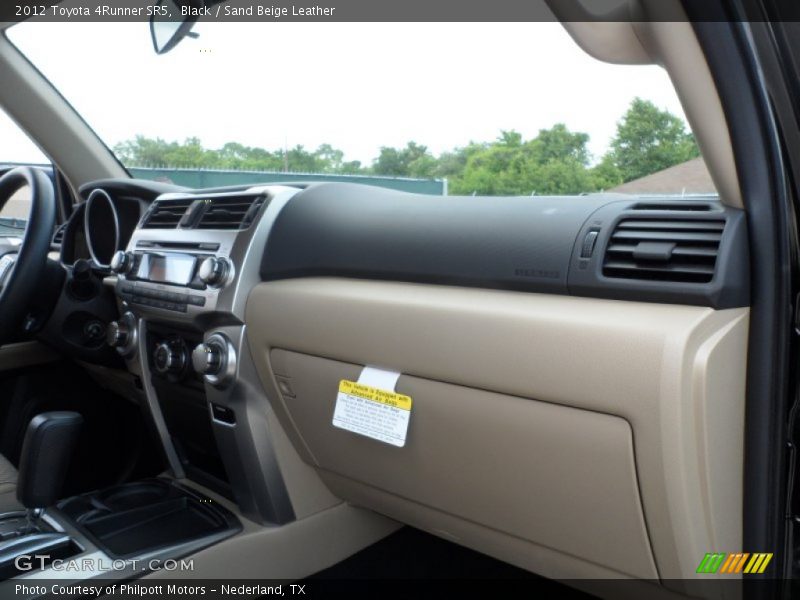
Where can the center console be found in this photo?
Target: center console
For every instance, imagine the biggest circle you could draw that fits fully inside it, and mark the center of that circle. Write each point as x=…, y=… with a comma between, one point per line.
x=112, y=534
x=146, y=518
x=139, y=523
x=182, y=284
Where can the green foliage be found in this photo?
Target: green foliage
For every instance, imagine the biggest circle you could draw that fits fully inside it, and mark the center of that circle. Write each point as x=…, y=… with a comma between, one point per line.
x=606, y=174
x=556, y=161
x=143, y=151
x=648, y=140
x=412, y=161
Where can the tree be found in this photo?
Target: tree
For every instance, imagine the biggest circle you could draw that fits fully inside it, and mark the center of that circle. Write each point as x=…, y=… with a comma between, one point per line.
x=554, y=162
x=143, y=151
x=331, y=158
x=558, y=144
x=605, y=174
x=237, y=156
x=412, y=161
x=451, y=164
x=648, y=140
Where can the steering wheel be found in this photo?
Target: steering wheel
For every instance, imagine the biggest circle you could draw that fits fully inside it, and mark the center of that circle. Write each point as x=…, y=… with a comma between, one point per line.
x=22, y=265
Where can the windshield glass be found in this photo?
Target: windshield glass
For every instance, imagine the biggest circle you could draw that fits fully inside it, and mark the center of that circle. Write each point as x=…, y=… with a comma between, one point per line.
x=465, y=108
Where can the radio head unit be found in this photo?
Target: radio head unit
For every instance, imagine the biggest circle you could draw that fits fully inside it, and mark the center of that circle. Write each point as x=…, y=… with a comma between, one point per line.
x=169, y=277
x=167, y=267
x=191, y=252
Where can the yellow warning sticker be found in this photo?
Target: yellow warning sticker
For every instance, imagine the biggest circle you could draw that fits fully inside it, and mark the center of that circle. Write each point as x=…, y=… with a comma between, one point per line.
x=376, y=395
x=380, y=414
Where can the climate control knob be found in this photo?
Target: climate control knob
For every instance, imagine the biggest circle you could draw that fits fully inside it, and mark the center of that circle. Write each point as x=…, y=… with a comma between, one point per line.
x=117, y=334
x=122, y=334
x=214, y=271
x=169, y=358
x=207, y=359
x=121, y=262
x=215, y=360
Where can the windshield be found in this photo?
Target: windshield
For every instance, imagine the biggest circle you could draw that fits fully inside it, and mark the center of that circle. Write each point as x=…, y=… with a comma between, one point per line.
x=460, y=108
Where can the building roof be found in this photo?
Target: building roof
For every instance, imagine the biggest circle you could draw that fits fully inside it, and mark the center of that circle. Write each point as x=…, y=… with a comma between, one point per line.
x=690, y=177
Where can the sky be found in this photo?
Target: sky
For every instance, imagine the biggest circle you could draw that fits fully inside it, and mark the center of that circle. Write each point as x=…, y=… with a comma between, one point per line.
x=356, y=86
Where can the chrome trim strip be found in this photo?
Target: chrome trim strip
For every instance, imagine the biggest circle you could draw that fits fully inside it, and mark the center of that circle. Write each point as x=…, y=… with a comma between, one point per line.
x=246, y=446
x=87, y=229
x=155, y=409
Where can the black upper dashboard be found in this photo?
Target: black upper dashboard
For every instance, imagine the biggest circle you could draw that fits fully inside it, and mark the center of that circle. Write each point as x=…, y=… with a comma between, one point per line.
x=684, y=251
x=690, y=250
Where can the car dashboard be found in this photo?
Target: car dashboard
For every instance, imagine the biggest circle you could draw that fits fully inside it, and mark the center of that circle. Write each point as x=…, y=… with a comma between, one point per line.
x=235, y=307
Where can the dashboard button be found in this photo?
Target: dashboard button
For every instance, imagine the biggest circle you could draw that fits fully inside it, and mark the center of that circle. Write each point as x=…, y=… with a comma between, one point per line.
x=197, y=300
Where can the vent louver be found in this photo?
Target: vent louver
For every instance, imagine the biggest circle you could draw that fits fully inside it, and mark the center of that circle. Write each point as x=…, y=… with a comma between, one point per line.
x=58, y=236
x=680, y=250
x=235, y=212
x=166, y=214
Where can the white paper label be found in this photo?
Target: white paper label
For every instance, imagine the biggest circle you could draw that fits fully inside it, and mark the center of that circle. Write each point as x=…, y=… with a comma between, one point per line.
x=372, y=408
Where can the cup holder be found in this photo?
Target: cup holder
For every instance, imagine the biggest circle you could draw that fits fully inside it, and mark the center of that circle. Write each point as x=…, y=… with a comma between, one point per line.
x=134, y=495
x=135, y=518
x=91, y=514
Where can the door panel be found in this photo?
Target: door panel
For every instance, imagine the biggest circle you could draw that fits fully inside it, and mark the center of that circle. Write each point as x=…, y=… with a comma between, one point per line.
x=536, y=417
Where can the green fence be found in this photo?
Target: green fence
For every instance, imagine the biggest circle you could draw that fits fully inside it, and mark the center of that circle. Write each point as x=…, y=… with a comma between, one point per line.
x=207, y=178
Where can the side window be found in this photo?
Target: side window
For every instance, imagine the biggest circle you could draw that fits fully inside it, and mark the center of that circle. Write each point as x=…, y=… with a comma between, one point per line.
x=16, y=148
x=16, y=208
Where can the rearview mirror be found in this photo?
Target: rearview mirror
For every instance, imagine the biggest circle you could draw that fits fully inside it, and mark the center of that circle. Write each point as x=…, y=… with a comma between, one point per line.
x=169, y=25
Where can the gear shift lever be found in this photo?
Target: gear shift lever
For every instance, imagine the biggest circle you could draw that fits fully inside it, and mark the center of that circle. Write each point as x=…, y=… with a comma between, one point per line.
x=46, y=451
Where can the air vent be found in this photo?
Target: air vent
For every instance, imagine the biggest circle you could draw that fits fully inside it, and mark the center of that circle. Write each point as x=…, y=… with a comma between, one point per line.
x=58, y=236
x=682, y=250
x=676, y=206
x=166, y=214
x=234, y=212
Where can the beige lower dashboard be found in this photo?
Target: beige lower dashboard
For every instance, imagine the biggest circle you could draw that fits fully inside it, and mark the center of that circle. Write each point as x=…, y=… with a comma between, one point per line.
x=573, y=437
